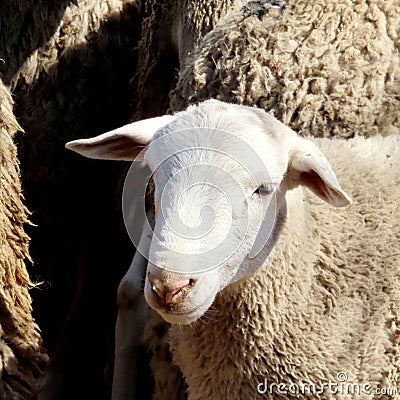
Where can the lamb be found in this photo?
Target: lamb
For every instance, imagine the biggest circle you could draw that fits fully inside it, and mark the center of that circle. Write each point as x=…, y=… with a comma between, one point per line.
x=325, y=68
x=304, y=297
x=21, y=354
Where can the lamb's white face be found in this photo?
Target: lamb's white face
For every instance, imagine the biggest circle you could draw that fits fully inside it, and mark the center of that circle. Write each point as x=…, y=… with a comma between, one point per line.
x=220, y=172
x=217, y=188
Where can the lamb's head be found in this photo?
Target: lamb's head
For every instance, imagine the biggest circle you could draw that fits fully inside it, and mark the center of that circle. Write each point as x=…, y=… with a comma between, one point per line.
x=220, y=173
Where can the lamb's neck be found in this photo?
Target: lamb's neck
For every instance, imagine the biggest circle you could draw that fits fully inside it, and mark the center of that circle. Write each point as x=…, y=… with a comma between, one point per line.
x=278, y=277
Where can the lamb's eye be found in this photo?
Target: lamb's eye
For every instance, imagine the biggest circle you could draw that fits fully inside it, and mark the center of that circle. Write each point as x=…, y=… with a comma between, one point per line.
x=264, y=189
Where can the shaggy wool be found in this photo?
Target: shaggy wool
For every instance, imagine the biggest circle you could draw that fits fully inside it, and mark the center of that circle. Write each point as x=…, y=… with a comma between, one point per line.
x=36, y=34
x=21, y=354
x=327, y=302
x=325, y=68
x=23, y=30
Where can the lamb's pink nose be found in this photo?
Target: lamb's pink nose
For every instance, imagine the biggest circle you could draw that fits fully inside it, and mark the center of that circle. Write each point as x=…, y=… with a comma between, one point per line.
x=171, y=292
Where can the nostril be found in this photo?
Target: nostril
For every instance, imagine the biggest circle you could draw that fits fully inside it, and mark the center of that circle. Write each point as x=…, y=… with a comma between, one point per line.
x=156, y=286
x=156, y=291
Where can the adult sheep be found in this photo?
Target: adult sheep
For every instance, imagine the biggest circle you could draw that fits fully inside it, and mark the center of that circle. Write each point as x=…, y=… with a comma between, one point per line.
x=21, y=354
x=268, y=288
x=325, y=68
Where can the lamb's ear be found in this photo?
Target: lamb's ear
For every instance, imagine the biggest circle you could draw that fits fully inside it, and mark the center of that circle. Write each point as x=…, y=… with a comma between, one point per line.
x=309, y=167
x=124, y=143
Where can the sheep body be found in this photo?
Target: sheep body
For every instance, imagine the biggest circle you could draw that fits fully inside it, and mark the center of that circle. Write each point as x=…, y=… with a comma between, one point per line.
x=21, y=354
x=327, y=300
x=325, y=68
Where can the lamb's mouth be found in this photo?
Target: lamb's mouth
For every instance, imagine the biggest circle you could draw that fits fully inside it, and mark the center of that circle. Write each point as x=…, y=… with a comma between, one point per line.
x=183, y=316
x=182, y=312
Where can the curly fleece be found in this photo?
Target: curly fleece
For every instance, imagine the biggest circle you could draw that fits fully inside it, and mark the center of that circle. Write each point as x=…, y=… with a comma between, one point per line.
x=325, y=68
x=326, y=302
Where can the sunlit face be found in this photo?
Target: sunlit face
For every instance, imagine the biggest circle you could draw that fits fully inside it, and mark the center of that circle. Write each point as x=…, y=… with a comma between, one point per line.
x=217, y=199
